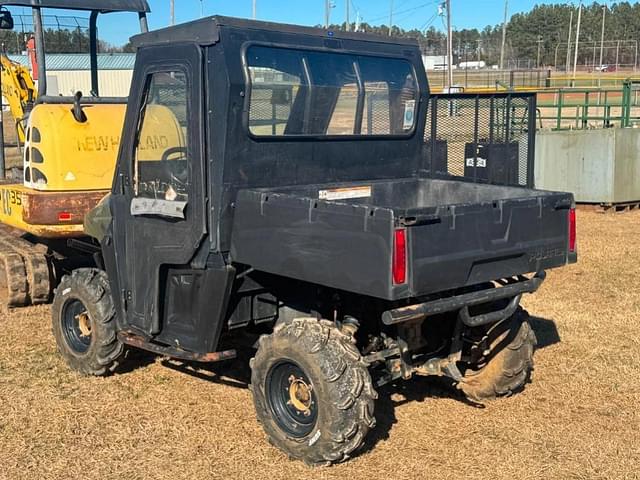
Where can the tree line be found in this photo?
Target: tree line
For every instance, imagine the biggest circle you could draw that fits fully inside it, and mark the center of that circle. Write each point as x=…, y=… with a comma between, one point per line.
x=56, y=41
x=544, y=29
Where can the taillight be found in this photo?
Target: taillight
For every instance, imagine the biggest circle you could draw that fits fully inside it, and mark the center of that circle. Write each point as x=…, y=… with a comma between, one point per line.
x=65, y=217
x=572, y=230
x=399, y=268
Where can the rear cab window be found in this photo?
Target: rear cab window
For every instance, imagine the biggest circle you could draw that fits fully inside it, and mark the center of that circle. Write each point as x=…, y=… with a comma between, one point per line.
x=296, y=93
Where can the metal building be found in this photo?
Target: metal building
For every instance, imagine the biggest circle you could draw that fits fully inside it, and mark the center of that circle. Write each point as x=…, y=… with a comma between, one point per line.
x=68, y=73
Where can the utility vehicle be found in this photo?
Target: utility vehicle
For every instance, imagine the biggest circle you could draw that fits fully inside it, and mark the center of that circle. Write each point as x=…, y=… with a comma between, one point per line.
x=293, y=210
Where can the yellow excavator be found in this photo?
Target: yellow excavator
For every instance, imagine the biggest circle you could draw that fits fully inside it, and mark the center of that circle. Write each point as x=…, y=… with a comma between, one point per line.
x=70, y=150
x=19, y=90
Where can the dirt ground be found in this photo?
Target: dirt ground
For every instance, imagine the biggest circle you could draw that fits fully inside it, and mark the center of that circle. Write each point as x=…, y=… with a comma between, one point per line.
x=158, y=420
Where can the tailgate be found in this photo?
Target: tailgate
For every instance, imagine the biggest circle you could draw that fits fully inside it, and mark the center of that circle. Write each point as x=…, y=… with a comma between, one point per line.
x=470, y=244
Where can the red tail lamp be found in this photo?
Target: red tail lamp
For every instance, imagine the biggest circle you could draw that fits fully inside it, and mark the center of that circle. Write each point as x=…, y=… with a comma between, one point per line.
x=399, y=267
x=65, y=216
x=572, y=231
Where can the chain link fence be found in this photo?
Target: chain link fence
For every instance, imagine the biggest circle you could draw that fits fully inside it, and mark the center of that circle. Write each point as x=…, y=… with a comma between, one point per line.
x=482, y=138
x=63, y=34
x=470, y=78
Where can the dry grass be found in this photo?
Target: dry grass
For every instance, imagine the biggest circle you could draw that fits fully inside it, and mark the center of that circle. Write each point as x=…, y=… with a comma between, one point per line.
x=578, y=419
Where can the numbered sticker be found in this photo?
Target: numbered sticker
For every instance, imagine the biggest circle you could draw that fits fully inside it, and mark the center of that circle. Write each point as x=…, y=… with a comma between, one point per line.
x=9, y=198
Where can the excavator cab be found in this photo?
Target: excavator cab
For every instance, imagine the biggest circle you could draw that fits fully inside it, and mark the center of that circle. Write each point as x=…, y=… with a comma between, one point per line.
x=21, y=83
x=95, y=7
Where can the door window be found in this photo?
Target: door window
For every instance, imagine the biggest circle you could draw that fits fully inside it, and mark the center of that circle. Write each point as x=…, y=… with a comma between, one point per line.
x=162, y=148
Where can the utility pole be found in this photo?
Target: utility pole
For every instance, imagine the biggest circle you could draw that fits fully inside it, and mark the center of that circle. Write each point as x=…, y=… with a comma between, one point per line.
x=327, y=9
x=539, y=45
x=254, y=9
x=390, y=16
x=566, y=68
x=575, y=58
x=172, y=12
x=348, y=23
x=449, y=45
x=604, y=15
x=201, y=8
x=504, y=33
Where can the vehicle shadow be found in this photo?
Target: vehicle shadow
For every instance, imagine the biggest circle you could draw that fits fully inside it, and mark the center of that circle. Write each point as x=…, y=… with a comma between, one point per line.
x=396, y=394
x=546, y=331
x=135, y=359
x=233, y=373
x=420, y=389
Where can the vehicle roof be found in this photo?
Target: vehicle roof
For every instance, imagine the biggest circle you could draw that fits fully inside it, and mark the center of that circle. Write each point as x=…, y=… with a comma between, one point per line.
x=206, y=31
x=104, y=6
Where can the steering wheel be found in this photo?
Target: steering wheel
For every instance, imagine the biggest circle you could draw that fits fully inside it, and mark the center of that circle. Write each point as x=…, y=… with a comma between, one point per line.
x=173, y=151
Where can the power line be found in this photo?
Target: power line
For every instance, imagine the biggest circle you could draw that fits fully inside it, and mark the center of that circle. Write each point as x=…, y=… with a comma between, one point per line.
x=400, y=12
x=429, y=22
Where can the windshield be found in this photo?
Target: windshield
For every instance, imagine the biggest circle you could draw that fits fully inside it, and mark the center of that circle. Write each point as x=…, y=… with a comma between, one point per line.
x=303, y=92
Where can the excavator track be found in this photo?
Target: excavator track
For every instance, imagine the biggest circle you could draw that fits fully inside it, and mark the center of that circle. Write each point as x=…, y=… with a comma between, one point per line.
x=27, y=272
x=13, y=279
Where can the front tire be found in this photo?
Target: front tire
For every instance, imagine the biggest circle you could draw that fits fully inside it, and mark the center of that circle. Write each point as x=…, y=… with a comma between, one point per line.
x=84, y=325
x=312, y=391
x=507, y=365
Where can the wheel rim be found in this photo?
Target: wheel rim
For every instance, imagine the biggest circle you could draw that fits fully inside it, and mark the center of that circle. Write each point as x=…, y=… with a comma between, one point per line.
x=292, y=399
x=77, y=326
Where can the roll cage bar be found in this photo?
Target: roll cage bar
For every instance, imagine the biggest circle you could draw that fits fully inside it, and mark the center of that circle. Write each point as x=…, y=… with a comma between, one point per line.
x=96, y=7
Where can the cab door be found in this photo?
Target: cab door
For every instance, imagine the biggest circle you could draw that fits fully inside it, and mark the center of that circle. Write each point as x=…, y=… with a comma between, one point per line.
x=158, y=200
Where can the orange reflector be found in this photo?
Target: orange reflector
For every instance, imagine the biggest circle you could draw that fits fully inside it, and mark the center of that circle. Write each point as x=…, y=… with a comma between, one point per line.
x=400, y=257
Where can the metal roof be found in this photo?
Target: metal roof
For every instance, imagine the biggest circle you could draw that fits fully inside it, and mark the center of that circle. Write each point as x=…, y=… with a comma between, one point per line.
x=99, y=5
x=81, y=61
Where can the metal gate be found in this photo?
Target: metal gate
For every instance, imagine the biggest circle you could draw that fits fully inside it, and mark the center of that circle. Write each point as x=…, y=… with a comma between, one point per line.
x=484, y=138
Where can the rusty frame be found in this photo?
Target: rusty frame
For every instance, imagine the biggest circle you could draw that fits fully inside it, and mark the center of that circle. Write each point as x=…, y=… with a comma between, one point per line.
x=140, y=342
x=44, y=208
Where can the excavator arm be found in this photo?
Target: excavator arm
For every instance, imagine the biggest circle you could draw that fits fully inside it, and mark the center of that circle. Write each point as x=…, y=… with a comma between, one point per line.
x=18, y=89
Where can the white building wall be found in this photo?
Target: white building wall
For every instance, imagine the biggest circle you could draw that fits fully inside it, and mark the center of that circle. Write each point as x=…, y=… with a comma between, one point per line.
x=113, y=83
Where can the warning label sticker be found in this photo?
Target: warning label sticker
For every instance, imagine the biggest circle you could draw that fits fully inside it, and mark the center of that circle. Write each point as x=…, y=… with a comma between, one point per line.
x=409, y=114
x=345, y=193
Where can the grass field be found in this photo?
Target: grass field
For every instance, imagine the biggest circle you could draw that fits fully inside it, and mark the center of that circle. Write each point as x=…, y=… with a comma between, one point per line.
x=160, y=420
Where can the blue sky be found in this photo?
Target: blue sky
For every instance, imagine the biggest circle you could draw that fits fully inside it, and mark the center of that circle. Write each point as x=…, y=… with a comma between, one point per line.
x=116, y=28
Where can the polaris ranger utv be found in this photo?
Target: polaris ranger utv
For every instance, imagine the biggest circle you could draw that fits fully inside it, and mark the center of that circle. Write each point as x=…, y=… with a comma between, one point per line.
x=293, y=210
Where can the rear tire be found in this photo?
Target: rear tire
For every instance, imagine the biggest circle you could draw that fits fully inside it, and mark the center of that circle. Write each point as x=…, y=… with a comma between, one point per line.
x=312, y=391
x=84, y=325
x=508, y=365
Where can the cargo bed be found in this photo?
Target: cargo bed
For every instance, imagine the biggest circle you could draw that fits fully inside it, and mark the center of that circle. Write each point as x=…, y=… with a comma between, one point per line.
x=457, y=234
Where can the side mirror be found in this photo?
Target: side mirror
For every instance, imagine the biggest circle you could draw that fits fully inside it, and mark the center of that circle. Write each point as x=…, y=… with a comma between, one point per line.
x=6, y=20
